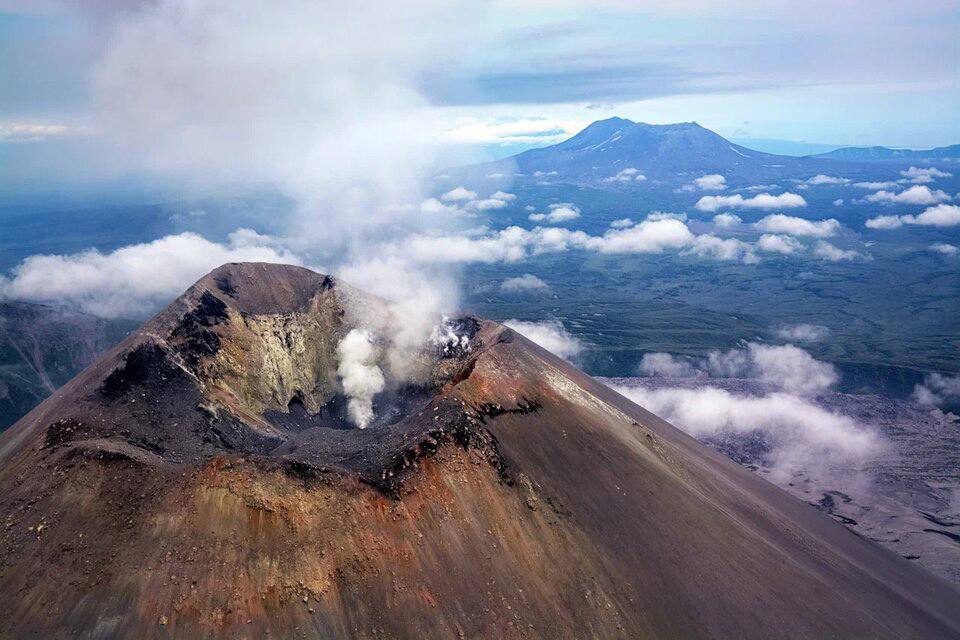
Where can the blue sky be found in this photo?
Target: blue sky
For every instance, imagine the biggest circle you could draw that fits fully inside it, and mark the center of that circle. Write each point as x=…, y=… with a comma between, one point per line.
x=493, y=77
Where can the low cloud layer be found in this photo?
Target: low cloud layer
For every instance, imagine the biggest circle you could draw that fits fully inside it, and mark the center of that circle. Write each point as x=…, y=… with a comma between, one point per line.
x=784, y=367
x=941, y=215
x=712, y=204
x=804, y=437
x=804, y=333
x=937, y=390
x=527, y=283
x=825, y=179
x=559, y=212
x=832, y=253
x=139, y=278
x=551, y=335
x=917, y=194
x=924, y=174
x=945, y=248
x=791, y=225
x=783, y=404
x=627, y=175
x=711, y=182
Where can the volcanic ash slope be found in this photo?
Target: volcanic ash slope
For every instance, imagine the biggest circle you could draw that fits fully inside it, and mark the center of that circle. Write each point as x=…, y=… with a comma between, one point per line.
x=204, y=480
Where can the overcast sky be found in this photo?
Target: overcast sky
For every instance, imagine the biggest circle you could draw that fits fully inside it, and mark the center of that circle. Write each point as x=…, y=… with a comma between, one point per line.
x=518, y=73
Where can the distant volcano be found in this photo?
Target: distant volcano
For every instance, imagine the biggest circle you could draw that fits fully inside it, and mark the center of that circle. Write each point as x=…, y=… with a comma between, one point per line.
x=203, y=479
x=606, y=147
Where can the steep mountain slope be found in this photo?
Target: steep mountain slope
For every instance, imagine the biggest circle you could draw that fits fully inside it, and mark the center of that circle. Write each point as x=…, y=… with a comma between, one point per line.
x=42, y=347
x=202, y=480
x=886, y=153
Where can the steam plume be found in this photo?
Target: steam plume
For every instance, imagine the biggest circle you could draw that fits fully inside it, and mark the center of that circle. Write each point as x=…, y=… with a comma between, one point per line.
x=360, y=374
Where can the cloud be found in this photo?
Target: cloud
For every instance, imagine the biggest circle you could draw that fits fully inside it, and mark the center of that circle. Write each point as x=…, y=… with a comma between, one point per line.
x=294, y=98
x=941, y=215
x=526, y=283
x=937, y=390
x=710, y=246
x=540, y=131
x=785, y=403
x=559, y=212
x=916, y=194
x=666, y=215
x=725, y=220
x=460, y=194
x=927, y=174
x=21, y=132
x=824, y=179
x=622, y=223
x=832, y=253
x=838, y=202
x=791, y=225
x=779, y=244
x=551, y=335
x=668, y=366
x=627, y=175
x=135, y=280
x=498, y=200
x=294, y=95
x=803, y=436
x=873, y=186
x=711, y=182
x=649, y=236
x=783, y=367
x=883, y=222
x=711, y=204
x=945, y=249
x=804, y=332
x=656, y=235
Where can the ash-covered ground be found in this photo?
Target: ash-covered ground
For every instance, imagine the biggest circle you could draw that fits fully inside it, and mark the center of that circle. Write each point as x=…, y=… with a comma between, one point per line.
x=905, y=497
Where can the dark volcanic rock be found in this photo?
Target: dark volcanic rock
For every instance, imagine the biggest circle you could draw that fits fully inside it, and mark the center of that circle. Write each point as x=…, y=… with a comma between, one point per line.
x=199, y=481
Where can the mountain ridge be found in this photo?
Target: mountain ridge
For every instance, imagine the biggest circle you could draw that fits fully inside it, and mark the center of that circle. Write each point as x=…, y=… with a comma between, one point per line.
x=887, y=153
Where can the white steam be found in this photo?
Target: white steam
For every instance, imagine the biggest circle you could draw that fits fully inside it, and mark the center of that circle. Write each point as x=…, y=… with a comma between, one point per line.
x=360, y=375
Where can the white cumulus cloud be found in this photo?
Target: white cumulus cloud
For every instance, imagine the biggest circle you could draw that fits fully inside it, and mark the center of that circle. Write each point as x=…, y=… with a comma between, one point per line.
x=917, y=194
x=791, y=225
x=924, y=174
x=711, y=204
x=941, y=215
x=559, y=212
x=779, y=244
x=711, y=182
x=833, y=253
x=725, y=220
x=135, y=280
x=524, y=284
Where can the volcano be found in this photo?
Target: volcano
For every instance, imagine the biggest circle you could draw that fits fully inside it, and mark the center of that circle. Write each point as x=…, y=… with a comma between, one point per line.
x=605, y=147
x=204, y=479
